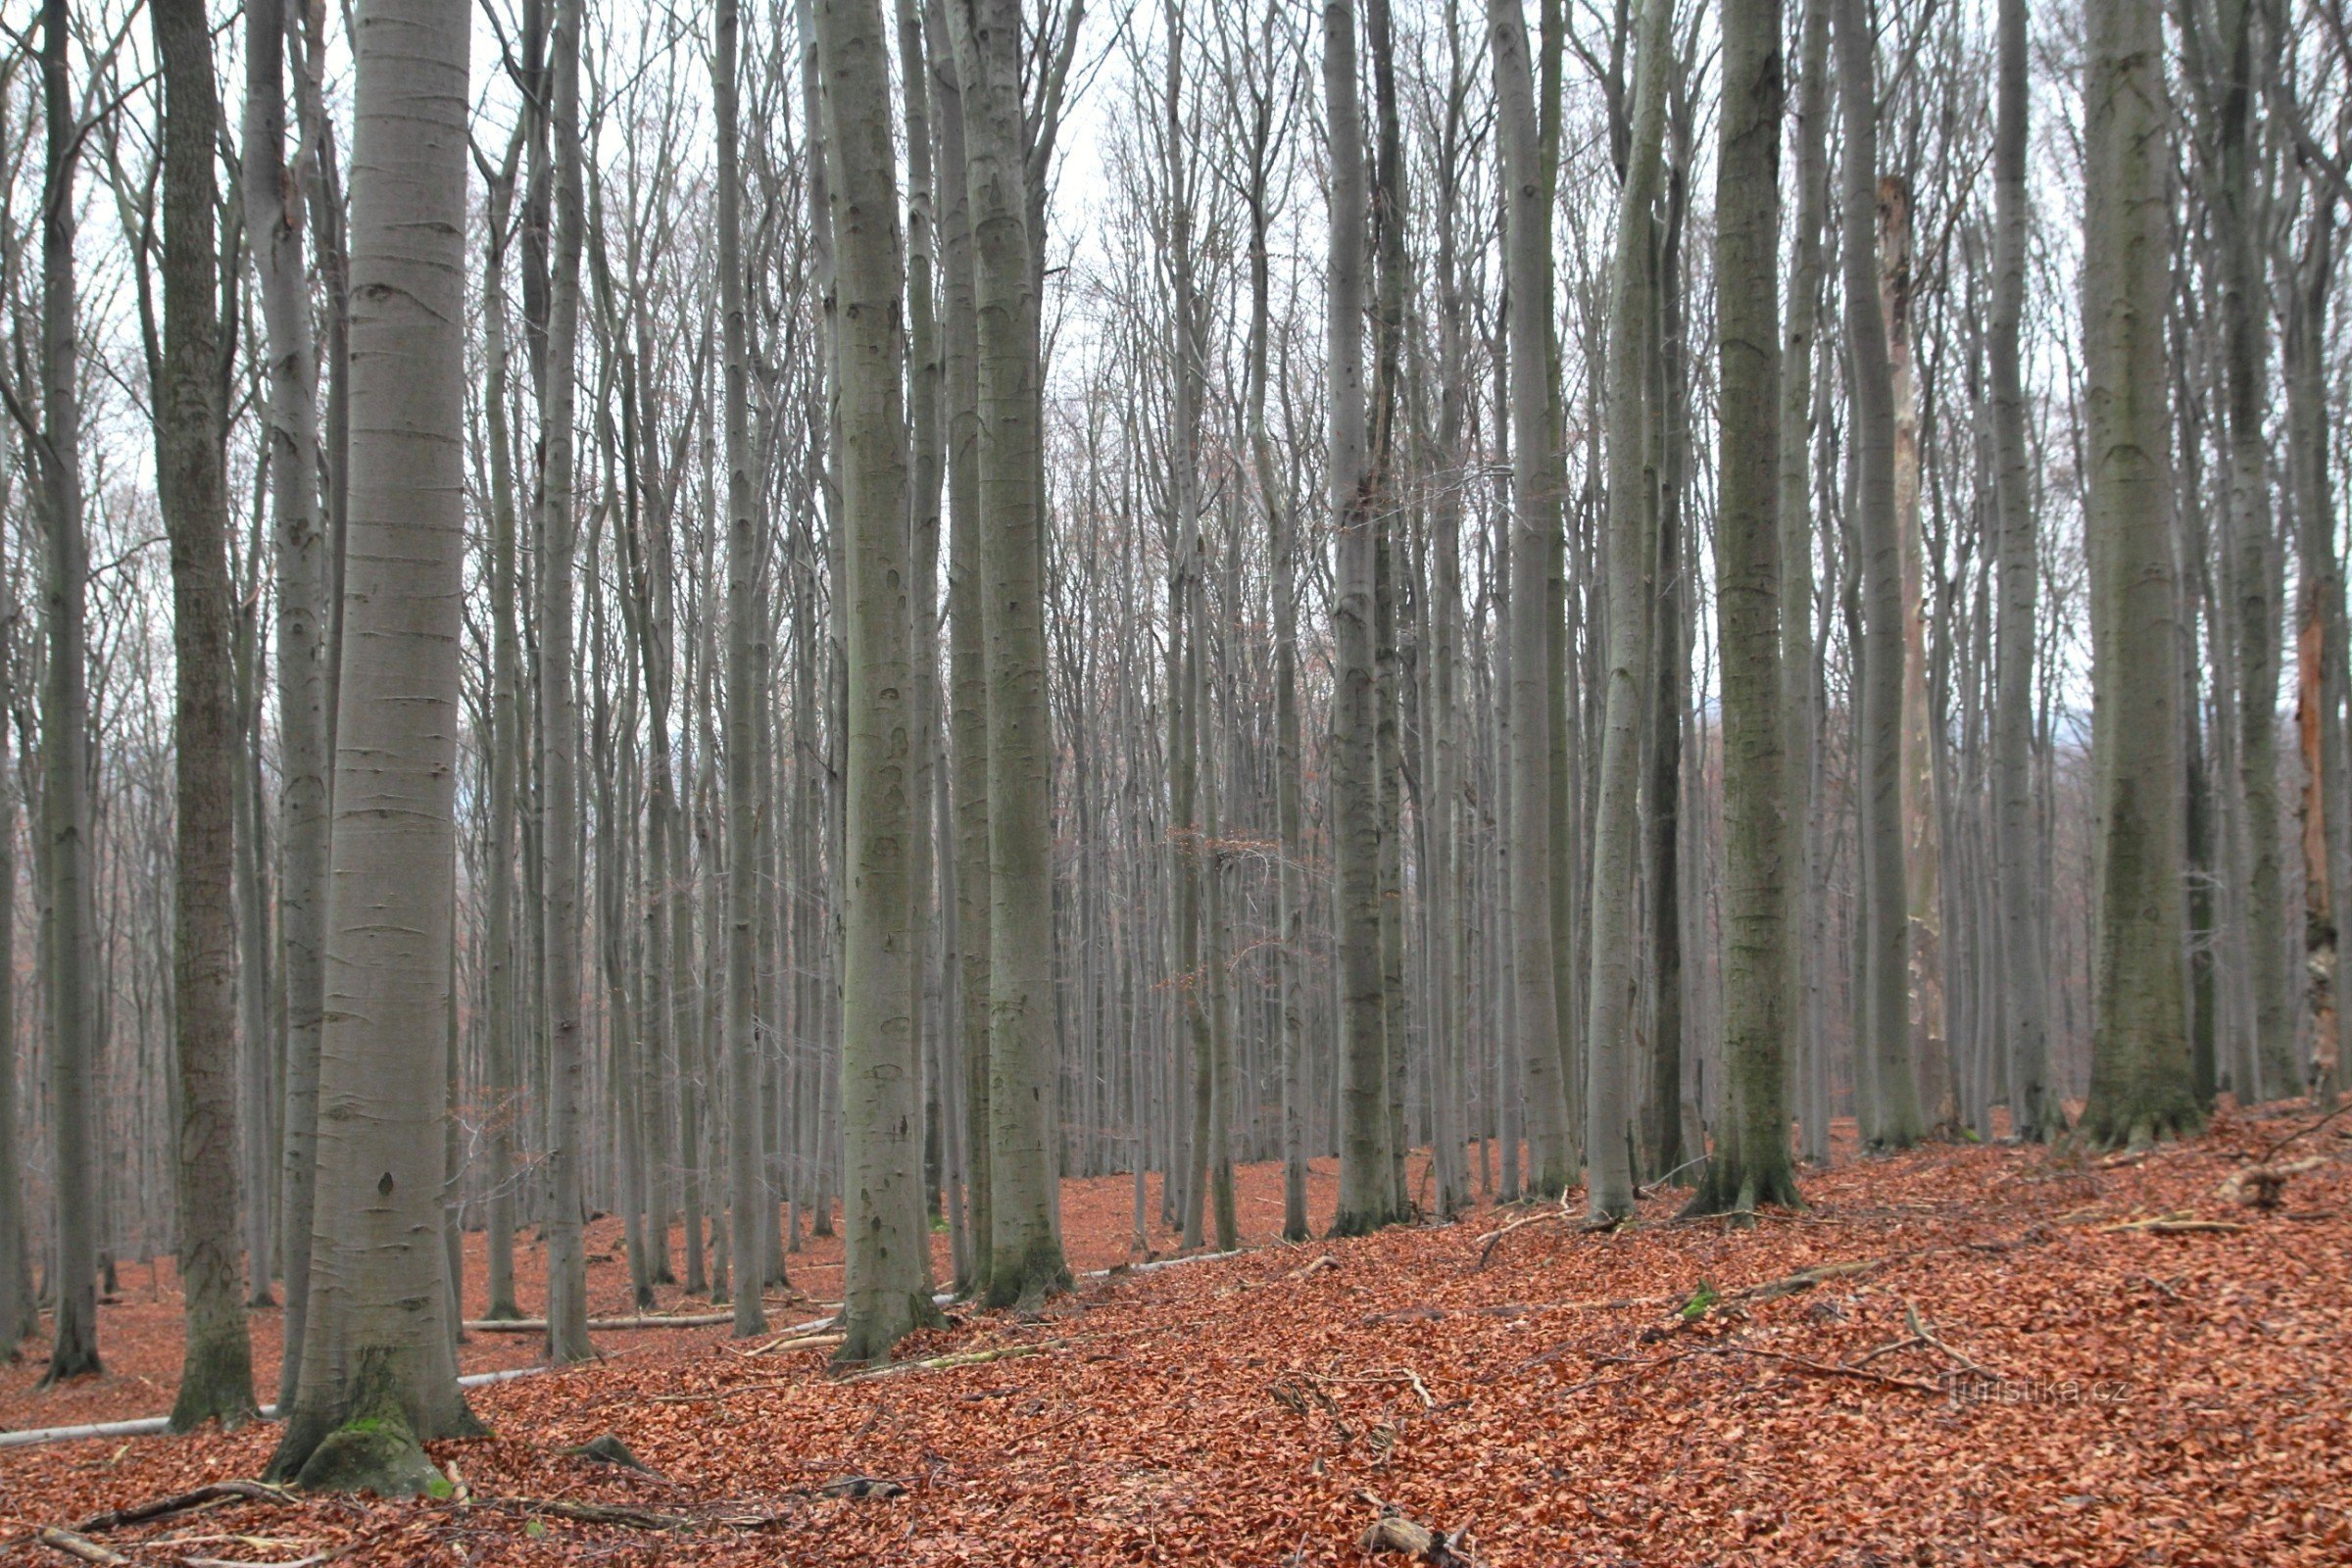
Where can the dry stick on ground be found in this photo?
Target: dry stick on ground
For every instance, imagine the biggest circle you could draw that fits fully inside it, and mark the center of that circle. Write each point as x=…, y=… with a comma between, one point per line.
x=593, y=1513
x=1494, y=1238
x=76, y=1546
x=1824, y=1368
x=314, y=1561
x=706, y=1396
x=2176, y=1224
x=180, y=1502
x=2263, y=1157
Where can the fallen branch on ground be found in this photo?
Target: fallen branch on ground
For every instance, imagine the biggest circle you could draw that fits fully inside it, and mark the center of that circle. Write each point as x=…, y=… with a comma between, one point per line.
x=1392, y=1531
x=2175, y=1224
x=180, y=1503
x=790, y=1342
x=78, y=1546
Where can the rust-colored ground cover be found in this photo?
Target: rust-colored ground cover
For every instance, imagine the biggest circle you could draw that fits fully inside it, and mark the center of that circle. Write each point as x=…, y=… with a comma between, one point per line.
x=2005, y=1378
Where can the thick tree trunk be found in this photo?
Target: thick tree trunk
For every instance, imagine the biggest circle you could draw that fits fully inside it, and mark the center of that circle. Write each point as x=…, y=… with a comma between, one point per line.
x=377, y=1375
x=216, y=1377
x=1752, y=1163
x=1364, y=1196
x=1025, y=1238
x=2139, y=1079
x=886, y=1292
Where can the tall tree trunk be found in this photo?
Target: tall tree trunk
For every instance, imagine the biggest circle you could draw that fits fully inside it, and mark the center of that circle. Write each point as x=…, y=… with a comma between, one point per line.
x=1895, y=1120
x=1752, y=1163
x=2033, y=1109
x=274, y=197
x=2320, y=710
x=1633, y=479
x=19, y=1305
x=2241, y=218
x=2140, y=1076
x=1363, y=1201
x=1536, y=489
x=742, y=1064
x=967, y=642
x=500, y=1086
x=216, y=1377
x=886, y=1295
x=1806, y=912
x=1024, y=1199
x=559, y=718
x=64, y=741
x=379, y=1376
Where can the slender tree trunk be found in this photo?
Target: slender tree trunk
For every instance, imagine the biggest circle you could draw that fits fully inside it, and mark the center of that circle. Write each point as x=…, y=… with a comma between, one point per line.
x=559, y=713
x=2320, y=709
x=742, y=1065
x=1632, y=478
x=215, y=1380
x=1536, y=488
x=74, y=1035
x=1806, y=912
x=274, y=198
x=2139, y=1077
x=379, y=1376
x=2033, y=1108
x=1885, y=913
x=967, y=643
x=20, y=1304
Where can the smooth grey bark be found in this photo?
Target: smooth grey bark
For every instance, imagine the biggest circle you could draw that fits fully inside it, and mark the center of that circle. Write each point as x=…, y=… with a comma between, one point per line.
x=378, y=1375
x=2035, y=1112
x=2140, y=1088
x=500, y=1086
x=2225, y=48
x=1895, y=1120
x=1798, y=659
x=1536, y=484
x=1365, y=1191
x=560, y=847
x=967, y=640
x=65, y=740
x=19, y=1305
x=885, y=1290
x=1024, y=1197
x=216, y=1377
x=1752, y=1161
x=1633, y=479
x=743, y=615
x=274, y=193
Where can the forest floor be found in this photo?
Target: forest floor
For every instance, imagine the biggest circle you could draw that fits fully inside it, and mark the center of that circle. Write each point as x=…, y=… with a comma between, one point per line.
x=2002, y=1356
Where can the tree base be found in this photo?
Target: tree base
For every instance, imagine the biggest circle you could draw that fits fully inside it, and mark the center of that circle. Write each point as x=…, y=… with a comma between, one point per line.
x=1025, y=1282
x=370, y=1455
x=2139, y=1123
x=868, y=1344
x=1727, y=1189
x=216, y=1384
